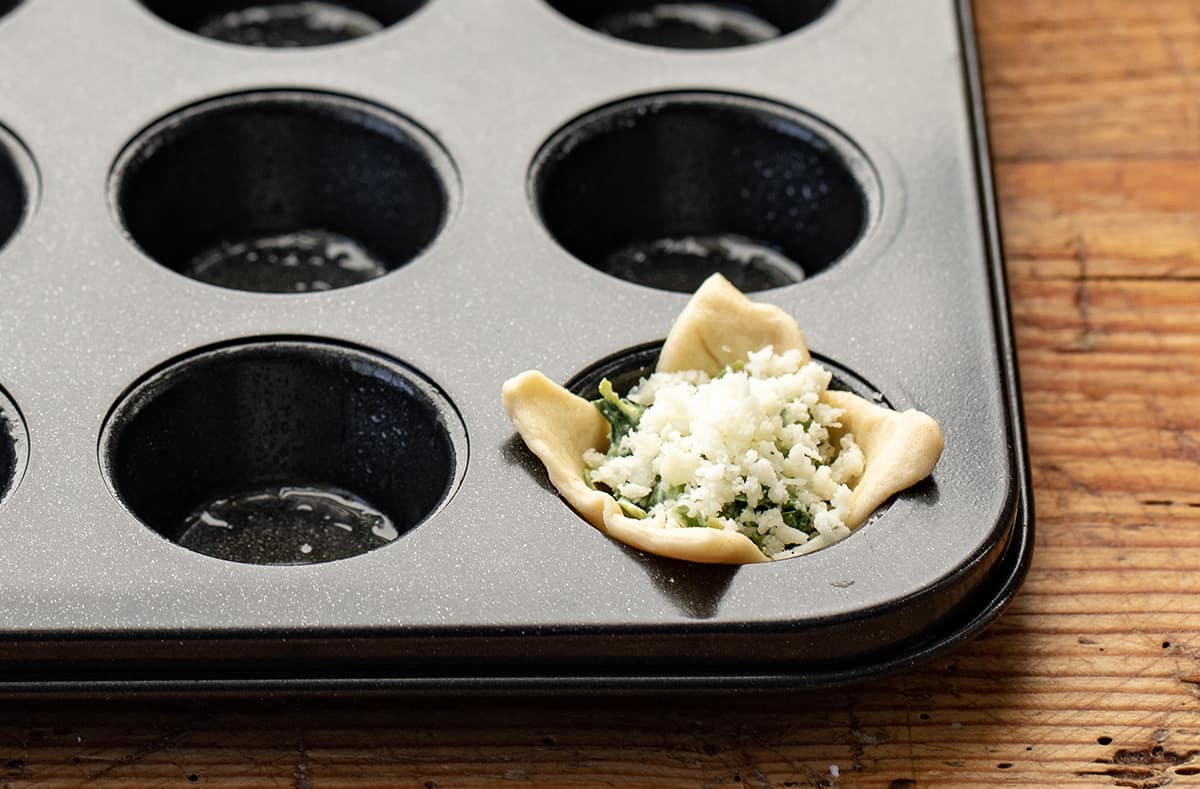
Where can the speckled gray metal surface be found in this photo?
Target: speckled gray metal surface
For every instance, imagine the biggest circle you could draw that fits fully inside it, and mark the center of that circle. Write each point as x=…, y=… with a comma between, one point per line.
x=502, y=580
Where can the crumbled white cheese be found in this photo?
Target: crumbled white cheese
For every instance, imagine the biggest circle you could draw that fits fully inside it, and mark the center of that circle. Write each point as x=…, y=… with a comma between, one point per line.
x=748, y=450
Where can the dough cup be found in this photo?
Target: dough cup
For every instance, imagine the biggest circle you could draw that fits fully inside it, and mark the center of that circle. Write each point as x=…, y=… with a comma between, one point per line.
x=718, y=326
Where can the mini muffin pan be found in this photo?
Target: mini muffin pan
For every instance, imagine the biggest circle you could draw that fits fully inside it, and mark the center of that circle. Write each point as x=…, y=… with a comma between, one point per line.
x=265, y=267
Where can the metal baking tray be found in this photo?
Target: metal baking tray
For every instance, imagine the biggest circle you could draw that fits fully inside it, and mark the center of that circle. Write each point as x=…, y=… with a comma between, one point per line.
x=514, y=190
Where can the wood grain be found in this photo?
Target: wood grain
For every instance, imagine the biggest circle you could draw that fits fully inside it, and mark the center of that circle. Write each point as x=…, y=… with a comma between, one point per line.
x=1093, y=676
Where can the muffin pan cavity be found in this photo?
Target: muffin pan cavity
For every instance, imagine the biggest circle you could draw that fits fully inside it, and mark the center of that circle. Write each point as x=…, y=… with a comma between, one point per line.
x=283, y=452
x=14, y=192
x=271, y=23
x=14, y=447
x=694, y=25
x=665, y=190
x=283, y=192
x=624, y=370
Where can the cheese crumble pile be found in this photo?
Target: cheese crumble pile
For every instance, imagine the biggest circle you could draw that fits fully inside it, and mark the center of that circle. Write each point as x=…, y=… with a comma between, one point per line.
x=747, y=450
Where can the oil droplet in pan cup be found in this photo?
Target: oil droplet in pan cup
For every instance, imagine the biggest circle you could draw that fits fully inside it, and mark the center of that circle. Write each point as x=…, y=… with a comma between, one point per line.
x=287, y=525
x=306, y=24
x=299, y=262
x=328, y=191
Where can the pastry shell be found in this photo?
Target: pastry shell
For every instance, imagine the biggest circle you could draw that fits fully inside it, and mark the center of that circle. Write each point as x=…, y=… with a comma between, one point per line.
x=718, y=326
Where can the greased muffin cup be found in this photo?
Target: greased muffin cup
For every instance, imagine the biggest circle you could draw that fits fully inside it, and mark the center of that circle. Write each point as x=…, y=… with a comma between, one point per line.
x=265, y=268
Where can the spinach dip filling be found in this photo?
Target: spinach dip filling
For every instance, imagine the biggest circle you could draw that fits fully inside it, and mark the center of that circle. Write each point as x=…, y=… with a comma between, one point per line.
x=751, y=450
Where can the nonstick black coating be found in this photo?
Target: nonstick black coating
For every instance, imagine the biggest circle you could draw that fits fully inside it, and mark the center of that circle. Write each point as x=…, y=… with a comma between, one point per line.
x=666, y=190
x=236, y=171
x=8, y=456
x=12, y=196
x=253, y=416
x=694, y=25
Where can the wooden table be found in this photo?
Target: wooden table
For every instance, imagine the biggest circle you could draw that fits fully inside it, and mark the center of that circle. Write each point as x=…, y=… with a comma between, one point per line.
x=1092, y=678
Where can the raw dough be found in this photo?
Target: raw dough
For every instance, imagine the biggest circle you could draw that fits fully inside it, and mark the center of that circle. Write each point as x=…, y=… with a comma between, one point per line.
x=718, y=326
